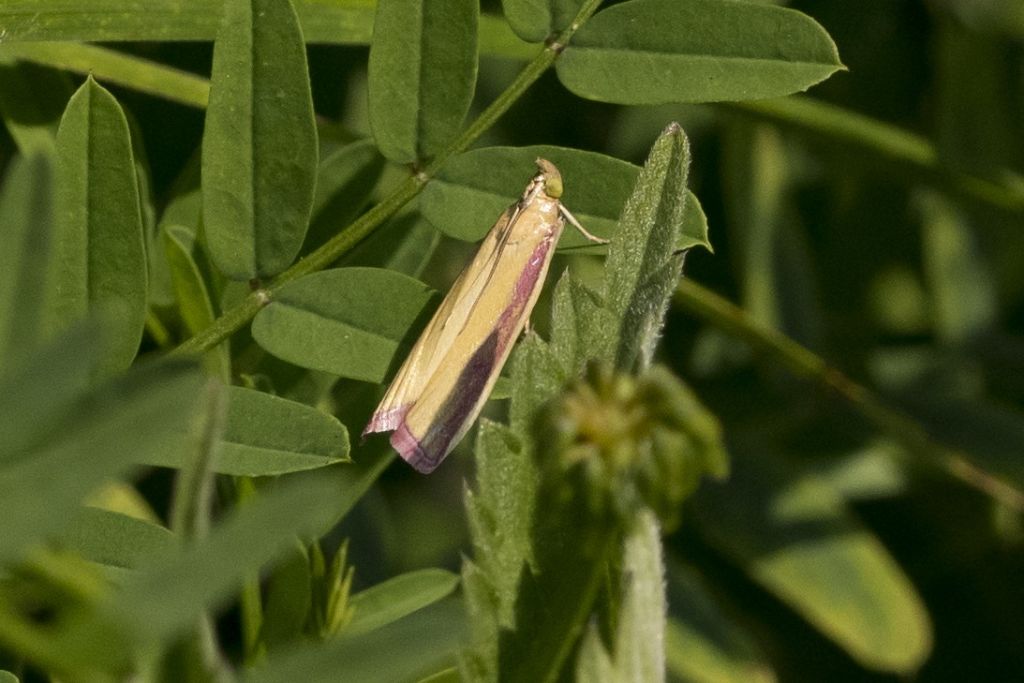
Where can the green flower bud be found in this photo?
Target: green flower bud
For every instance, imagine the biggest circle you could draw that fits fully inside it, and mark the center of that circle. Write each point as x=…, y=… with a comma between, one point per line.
x=630, y=442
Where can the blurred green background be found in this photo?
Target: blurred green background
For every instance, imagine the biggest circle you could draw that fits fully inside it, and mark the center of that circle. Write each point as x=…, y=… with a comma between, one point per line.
x=906, y=280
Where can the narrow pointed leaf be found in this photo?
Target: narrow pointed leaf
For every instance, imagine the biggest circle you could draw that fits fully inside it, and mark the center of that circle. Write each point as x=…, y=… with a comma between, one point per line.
x=422, y=74
x=260, y=142
x=657, y=51
x=347, y=321
x=642, y=267
x=581, y=328
x=398, y=597
x=99, y=260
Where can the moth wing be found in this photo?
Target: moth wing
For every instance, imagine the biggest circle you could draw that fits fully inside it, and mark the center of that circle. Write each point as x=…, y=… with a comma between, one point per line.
x=444, y=326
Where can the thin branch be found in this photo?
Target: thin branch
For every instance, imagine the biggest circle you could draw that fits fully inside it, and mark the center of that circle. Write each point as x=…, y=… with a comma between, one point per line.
x=805, y=364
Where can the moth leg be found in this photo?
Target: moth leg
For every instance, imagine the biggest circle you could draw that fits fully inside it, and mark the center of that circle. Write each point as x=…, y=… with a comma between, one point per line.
x=576, y=224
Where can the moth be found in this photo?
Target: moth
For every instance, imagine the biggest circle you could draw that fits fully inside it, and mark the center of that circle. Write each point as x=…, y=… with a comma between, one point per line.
x=443, y=384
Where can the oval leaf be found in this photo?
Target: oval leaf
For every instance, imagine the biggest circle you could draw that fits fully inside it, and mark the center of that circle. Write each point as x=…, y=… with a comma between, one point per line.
x=795, y=537
x=260, y=143
x=422, y=73
x=658, y=51
x=476, y=187
x=269, y=435
x=347, y=321
x=265, y=435
x=99, y=259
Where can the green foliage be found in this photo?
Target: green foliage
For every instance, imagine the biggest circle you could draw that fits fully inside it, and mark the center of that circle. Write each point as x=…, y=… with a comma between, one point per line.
x=165, y=517
x=97, y=261
x=260, y=118
x=654, y=51
x=421, y=75
x=347, y=321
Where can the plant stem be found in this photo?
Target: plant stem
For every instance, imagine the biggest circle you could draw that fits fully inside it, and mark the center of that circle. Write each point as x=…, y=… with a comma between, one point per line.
x=339, y=245
x=906, y=153
x=806, y=364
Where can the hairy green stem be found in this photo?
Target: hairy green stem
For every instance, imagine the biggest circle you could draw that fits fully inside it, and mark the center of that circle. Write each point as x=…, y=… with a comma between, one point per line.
x=339, y=245
x=806, y=364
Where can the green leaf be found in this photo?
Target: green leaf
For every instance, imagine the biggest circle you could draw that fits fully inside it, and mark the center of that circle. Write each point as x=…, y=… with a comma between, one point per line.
x=345, y=182
x=266, y=435
x=642, y=268
x=421, y=74
x=404, y=244
x=421, y=644
x=348, y=321
x=474, y=189
x=88, y=440
x=500, y=511
x=7, y=677
x=397, y=598
x=536, y=377
x=99, y=255
x=260, y=141
x=795, y=537
x=26, y=229
x=194, y=302
x=335, y=23
x=581, y=328
x=170, y=592
x=657, y=51
x=702, y=643
x=537, y=20
x=115, y=539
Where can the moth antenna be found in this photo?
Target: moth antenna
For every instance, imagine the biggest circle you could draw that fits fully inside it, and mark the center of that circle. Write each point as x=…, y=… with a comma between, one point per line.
x=576, y=224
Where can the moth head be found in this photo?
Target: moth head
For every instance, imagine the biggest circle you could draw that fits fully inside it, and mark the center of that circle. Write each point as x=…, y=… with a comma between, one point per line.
x=551, y=177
